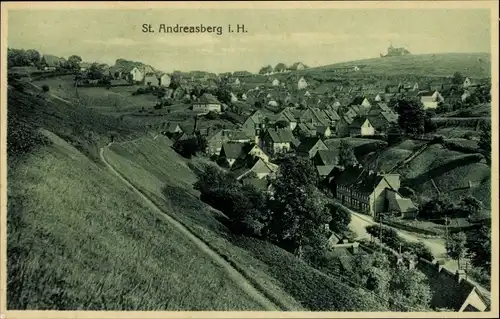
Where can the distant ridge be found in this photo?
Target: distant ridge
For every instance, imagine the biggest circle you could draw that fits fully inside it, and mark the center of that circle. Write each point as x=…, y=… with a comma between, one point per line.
x=474, y=65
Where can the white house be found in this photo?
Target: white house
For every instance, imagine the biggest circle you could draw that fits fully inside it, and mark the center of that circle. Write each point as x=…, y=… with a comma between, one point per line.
x=465, y=96
x=367, y=129
x=244, y=97
x=366, y=103
x=302, y=84
x=136, y=75
x=467, y=83
x=258, y=152
x=356, y=68
x=431, y=100
x=165, y=80
x=276, y=82
x=206, y=103
x=378, y=98
x=307, y=94
x=237, y=81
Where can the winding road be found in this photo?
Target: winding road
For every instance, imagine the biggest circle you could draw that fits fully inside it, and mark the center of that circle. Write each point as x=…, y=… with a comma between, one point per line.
x=234, y=274
x=437, y=246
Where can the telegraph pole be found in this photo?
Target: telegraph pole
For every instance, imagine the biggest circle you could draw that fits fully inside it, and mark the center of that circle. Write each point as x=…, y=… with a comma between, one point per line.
x=380, y=231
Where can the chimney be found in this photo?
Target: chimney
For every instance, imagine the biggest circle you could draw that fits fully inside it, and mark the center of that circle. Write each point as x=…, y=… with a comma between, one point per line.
x=460, y=274
x=438, y=266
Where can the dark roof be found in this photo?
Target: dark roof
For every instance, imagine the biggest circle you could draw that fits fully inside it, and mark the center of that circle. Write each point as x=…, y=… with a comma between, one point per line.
x=208, y=98
x=358, y=122
x=232, y=150
x=327, y=157
x=359, y=179
x=280, y=135
x=307, y=143
x=357, y=100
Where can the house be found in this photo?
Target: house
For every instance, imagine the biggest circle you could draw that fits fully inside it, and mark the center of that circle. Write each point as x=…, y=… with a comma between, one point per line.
x=207, y=103
x=171, y=128
x=52, y=62
x=343, y=125
x=277, y=141
x=239, y=136
x=403, y=207
x=216, y=140
x=256, y=151
x=261, y=169
x=230, y=152
x=276, y=82
x=452, y=291
x=323, y=131
x=465, y=96
x=151, y=79
x=325, y=158
x=244, y=97
x=136, y=75
x=237, y=81
x=364, y=190
x=297, y=66
x=378, y=98
x=309, y=146
x=361, y=126
x=301, y=84
x=165, y=80
x=233, y=98
x=467, y=83
x=430, y=99
x=306, y=130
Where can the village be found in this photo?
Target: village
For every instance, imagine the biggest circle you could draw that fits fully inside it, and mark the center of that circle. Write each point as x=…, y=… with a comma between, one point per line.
x=249, y=124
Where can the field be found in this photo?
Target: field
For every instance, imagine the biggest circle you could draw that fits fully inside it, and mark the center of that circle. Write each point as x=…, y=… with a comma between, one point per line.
x=73, y=218
x=361, y=146
x=478, y=65
x=154, y=168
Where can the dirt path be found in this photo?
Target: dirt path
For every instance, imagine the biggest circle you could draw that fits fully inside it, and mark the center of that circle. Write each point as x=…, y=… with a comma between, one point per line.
x=236, y=276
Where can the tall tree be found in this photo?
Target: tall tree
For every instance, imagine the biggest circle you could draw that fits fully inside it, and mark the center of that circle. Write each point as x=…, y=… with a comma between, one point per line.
x=412, y=116
x=266, y=69
x=223, y=92
x=298, y=215
x=480, y=246
x=340, y=219
x=458, y=78
x=456, y=247
x=346, y=154
x=74, y=62
x=410, y=287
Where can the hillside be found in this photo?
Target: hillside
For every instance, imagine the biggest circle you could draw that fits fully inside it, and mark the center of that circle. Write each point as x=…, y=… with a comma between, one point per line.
x=474, y=65
x=68, y=215
x=450, y=170
x=165, y=177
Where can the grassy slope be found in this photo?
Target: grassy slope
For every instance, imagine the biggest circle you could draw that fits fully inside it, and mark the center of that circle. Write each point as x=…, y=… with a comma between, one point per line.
x=166, y=178
x=450, y=170
x=88, y=235
x=421, y=65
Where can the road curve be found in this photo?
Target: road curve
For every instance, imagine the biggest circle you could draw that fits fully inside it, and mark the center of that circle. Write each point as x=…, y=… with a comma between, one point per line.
x=234, y=274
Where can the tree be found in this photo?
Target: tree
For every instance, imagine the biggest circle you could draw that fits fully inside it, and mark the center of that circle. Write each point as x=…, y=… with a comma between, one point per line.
x=282, y=124
x=436, y=208
x=485, y=140
x=258, y=104
x=346, y=154
x=410, y=287
x=95, y=72
x=394, y=135
x=74, y=62
x=33, y=56
x=280, y=67
x=411, y=118
x=480, y=247
x=456, y=247
x=340, y=219
x=458, y=78
x=471, y=205
x=297, y=215
x=266, y=69
x=223, y=92
x=45, y=88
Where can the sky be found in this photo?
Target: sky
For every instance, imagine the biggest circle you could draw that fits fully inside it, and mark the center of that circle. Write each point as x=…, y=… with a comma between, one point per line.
x=312, y=36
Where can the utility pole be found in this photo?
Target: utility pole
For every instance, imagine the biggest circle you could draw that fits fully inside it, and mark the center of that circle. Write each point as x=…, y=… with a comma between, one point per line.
x=380, y=231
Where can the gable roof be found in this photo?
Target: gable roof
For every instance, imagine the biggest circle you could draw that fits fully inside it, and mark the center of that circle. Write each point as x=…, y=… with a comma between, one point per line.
x=359, y=179
x=280, y=135
x=328, y=157
x=207, y=98
x=232, y=150
x=53, y=60
x=308, y=143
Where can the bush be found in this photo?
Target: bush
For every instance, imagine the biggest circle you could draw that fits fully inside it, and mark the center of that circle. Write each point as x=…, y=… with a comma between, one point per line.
x=45, y=88
x=419, y=249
